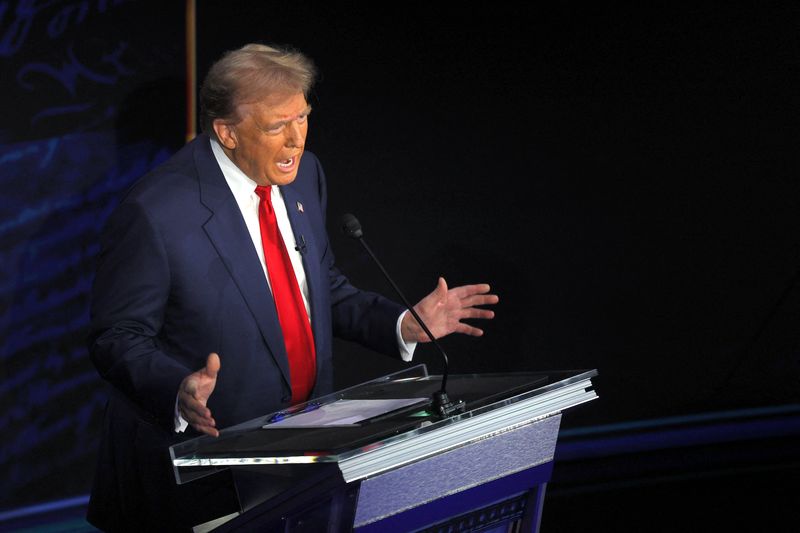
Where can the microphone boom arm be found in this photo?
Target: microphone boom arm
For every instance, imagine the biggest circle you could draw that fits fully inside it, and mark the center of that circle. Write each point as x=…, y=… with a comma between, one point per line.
x=411, y=310
x=442, y=405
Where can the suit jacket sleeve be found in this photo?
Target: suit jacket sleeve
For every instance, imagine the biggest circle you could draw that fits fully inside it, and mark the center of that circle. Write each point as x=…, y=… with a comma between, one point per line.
x=129, y=296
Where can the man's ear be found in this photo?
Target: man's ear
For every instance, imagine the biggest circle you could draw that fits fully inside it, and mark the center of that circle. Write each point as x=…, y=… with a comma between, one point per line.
x=226, y=133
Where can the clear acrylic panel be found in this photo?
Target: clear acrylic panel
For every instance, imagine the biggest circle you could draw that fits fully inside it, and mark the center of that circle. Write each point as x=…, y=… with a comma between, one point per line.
x=267, y=440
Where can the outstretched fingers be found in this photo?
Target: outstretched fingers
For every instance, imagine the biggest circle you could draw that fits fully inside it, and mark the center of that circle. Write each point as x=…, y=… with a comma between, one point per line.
x=472, y=295
x=466, y=329
x=475, y=312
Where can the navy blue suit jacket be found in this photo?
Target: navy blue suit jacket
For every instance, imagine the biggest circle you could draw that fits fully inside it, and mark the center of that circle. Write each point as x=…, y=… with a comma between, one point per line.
x=178, y=277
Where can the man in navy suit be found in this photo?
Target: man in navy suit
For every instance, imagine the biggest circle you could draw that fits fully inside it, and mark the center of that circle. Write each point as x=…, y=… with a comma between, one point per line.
x=183, y=322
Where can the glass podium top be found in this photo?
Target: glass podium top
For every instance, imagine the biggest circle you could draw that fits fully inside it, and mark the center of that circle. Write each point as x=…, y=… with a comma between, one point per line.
x=385, y=422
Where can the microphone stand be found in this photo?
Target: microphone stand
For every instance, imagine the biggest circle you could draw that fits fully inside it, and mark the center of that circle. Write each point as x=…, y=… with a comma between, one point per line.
x=442, y=405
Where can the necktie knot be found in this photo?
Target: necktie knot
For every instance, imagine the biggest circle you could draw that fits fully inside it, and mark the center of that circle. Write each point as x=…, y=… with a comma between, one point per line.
x=265, y=193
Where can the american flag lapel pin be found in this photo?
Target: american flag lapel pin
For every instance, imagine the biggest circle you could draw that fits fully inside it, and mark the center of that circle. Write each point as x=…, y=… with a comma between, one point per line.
x=300, y=207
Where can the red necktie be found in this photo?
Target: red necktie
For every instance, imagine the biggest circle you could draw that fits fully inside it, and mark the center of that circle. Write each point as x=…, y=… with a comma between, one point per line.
x=288, y=301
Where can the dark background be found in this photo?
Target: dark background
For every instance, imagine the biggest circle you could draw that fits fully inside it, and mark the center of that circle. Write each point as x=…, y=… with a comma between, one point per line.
x=624, y=177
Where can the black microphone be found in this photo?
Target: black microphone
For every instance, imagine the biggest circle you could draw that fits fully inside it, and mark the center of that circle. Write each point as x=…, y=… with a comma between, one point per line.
x=441, y=403
x=301, y=245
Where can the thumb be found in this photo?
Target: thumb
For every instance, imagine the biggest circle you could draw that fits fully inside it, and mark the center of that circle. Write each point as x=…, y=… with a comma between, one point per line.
x=441, y=289
x=212, y=365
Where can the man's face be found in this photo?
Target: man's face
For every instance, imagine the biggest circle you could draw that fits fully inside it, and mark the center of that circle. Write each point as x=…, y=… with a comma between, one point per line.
x=268, y=141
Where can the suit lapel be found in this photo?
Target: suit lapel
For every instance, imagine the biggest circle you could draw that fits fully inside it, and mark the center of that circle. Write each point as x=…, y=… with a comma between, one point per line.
x=227, y=231
x=306, y=239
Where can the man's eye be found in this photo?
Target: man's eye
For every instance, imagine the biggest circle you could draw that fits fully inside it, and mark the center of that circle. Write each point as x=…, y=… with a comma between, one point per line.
x=275, y=129
x=302, y=119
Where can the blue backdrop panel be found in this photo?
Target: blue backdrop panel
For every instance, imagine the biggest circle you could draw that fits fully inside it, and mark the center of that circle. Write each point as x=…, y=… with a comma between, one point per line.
x=90, y=103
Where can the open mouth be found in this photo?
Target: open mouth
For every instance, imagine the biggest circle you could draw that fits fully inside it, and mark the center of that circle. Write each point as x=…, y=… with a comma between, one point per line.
x=287, y=164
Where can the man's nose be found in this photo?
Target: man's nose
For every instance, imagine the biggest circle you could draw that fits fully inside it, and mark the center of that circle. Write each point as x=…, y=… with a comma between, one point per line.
x=295, y=134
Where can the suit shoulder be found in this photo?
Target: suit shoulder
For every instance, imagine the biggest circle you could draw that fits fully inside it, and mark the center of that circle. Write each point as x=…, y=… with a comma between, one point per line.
x=310, y=163
x=311, y=156
x=311, y=168
x=176, y=176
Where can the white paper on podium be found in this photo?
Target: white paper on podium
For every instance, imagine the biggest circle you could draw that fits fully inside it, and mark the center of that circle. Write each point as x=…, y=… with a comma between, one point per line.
x=343, y=413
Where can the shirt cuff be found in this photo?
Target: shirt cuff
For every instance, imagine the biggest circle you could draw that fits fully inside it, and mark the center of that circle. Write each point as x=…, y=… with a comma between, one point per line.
x=180, y=423
x=406, y=348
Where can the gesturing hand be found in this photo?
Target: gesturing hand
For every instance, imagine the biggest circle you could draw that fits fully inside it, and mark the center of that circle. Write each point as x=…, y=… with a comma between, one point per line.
x=193, y=396
x=444, y=309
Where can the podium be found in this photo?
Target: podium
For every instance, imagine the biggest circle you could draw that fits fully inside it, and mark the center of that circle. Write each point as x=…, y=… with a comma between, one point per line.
x=375, y=457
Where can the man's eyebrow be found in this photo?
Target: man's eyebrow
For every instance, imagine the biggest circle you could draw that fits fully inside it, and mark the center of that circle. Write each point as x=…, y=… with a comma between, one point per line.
x=305, y=112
